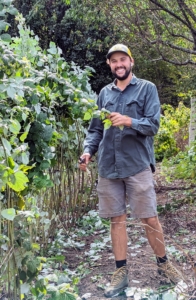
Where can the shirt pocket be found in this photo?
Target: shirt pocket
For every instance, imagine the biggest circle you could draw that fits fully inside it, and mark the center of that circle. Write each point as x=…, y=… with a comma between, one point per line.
x=110, y=106
x=135, y=108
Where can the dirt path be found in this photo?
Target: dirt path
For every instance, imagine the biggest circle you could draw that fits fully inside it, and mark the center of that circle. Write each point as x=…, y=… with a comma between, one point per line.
x=177, y=213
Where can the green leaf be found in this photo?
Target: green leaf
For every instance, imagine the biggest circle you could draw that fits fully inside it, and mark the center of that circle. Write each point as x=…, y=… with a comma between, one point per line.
x=170, y=295
x=25, y=158
x=105, y=111
x=6, y=2
x=20, y=181
x=69, y=296
x=13, y=11
x=60, y=258
x=24, y=135
x=6, y=37
x=24, y=116
x=52, y=49
x=37, y=108
x=32, y=266
x=97, y=114
x=2, y=12
x=52, y=277
x=24, y=288
x=87, y=116
x=35, y=246
x=7, y=146
x=15, y=126
x=23, y=275
x=11, y=162
x=107, y=124
x=3, y=25
x=45, y=165
x=9, y=214
x=11, y=92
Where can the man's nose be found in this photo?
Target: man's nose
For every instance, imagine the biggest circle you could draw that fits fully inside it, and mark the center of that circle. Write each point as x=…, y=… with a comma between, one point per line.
x=119, y=64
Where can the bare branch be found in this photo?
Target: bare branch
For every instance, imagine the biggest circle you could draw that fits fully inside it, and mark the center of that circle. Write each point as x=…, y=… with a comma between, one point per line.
x=189, y=51
x=169, y=12
x=171, y=33
x=188, y=10
x=183, y=10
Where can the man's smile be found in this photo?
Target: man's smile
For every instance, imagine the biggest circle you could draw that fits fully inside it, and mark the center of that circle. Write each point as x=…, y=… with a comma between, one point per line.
x=120, y=70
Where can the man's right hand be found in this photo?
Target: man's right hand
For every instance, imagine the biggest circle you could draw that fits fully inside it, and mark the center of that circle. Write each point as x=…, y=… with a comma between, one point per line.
x=83, y=161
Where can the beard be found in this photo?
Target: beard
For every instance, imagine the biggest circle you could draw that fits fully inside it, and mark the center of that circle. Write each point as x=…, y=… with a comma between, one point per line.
x=125, y=76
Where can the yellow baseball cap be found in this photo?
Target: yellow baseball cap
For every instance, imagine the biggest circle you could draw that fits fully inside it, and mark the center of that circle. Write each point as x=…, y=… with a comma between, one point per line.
x=118, y=48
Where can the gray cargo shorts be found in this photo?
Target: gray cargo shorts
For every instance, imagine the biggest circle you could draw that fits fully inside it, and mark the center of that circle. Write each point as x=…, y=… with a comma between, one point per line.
x=137, y=191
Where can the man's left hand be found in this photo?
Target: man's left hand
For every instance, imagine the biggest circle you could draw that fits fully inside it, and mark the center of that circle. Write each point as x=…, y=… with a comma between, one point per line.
x=119, y=120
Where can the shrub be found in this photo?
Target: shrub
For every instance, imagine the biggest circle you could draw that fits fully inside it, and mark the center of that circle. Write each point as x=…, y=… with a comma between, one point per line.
x=173, y=133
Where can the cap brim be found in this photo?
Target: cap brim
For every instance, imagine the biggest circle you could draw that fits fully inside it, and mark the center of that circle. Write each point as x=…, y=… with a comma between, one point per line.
x=110, y=54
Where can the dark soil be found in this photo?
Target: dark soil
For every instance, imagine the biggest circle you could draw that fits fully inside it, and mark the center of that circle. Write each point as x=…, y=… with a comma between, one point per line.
x=177, y=214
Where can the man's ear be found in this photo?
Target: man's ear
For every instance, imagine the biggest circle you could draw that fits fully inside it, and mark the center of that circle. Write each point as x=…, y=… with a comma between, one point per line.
x=132, y=62
x=107, y=61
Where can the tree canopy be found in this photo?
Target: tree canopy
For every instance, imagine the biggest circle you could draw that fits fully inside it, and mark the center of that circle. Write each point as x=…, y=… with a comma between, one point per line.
x=159, y=34
x=167, y=26
x=83, y=36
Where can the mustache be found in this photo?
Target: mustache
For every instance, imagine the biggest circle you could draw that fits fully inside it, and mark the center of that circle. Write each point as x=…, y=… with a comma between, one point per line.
x=117, y=68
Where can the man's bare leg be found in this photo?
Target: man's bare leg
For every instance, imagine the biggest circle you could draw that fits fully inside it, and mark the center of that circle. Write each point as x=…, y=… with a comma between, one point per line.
x=156, y=240
x=119, y=244
x=119, y=237
x=154, y=234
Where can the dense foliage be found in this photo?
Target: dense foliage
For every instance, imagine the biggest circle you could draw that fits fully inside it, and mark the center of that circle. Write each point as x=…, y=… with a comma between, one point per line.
x=172, y=136
x=166, y=27
x=82, y=34
x=42, y=103
x=158, y=32
x=45, y=101
x=182, y=166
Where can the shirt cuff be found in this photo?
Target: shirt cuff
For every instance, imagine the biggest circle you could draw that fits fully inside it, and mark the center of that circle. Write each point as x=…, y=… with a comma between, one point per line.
x=87, y=150
x=134, y=123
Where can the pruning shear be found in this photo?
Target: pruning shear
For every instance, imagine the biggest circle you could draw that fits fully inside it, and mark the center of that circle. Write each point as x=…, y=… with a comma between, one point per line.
x=82, y=160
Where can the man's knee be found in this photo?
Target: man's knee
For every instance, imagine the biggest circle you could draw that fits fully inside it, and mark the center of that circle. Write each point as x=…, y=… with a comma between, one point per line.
x=152, y=222
x=119, y=220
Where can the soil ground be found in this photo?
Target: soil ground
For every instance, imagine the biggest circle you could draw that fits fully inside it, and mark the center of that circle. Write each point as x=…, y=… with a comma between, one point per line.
x=177, y=214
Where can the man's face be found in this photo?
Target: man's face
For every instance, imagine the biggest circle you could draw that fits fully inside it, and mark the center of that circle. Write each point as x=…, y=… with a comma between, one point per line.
x=121, y=65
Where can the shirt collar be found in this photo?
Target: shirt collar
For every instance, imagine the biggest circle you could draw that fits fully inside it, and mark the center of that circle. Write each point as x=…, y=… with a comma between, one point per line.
x=132, y=82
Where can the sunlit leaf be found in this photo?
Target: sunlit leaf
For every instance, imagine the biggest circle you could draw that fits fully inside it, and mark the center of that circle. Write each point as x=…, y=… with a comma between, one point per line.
x=9, y=214
x=20, y=181
x=11, y=162
x=35, y=246
x=87, y=116
x=21, y=203
x=15, y=126
x=107, y=124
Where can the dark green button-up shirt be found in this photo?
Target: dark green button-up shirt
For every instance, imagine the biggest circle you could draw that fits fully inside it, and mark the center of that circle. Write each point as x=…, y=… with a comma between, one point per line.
x=123, y=153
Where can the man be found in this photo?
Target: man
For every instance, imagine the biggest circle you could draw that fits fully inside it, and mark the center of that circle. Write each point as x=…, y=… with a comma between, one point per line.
x=126, y=161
